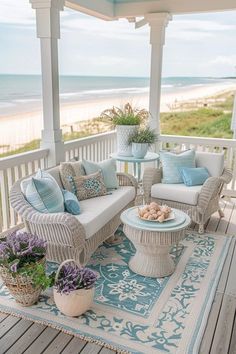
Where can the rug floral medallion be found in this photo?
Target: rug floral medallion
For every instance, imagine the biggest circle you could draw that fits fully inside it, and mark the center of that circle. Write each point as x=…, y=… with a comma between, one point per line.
x=139, y=314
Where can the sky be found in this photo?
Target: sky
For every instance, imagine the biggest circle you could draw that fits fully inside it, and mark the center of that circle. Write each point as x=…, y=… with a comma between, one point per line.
x=196, y=45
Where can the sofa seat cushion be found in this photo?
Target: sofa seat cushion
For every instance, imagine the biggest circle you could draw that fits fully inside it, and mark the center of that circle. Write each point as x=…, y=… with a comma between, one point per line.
x=97, y=212
x=176, y=192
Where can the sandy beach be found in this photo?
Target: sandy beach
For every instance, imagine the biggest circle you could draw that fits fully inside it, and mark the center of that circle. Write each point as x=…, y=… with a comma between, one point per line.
x=18, y=129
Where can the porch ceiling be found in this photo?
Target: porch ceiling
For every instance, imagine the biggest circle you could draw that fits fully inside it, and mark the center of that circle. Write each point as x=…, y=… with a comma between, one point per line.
x=114, y=9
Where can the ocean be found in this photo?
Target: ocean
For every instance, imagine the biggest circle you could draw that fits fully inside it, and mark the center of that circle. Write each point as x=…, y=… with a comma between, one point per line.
x=22, y=93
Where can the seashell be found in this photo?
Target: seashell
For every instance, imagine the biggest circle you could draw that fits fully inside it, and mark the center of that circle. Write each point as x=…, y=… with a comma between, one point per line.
x=146, y=215
x=161, y=218
x=152, y=211
x=155, y=216
x=154, y=205
x=151, y=217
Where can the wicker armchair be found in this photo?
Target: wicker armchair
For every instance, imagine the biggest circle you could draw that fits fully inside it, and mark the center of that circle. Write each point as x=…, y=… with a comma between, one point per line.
x=207, y=201
x=65, y=234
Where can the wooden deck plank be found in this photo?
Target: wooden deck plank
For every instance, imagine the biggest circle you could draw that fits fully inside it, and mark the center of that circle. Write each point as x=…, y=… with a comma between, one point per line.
x=231, y=230
x=3, y=316
x=27, y=339
x=91, y=348
x=58, y=344
x=75, y=346
x=107, y=351
x=216, y=306
x=231, y=282
x=232, y=348
x=7, y=324
x=13, y=334
x=43, y=341
x=224, y=222
x=222, y=335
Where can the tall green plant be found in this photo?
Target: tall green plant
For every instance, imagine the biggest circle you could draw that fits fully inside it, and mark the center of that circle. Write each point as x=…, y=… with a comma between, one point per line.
x=126, y=115
x=143, y=136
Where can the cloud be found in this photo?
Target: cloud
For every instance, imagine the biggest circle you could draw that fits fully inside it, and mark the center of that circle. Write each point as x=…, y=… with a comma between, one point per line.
x=196, y=30
x=16, y=13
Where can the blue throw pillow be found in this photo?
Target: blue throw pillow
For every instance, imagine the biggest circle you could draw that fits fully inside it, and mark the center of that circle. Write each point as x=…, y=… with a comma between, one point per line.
x=71, y=202
x=44, y=194
x=108, y=169
x=194, y=176
x=171, y=163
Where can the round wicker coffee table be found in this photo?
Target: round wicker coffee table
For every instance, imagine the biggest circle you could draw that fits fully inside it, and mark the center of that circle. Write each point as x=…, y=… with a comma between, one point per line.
x=153, y=242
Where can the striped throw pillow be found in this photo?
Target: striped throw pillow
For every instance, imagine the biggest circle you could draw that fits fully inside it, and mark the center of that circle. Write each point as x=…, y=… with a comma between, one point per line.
x=44, y=194
x=172, y=163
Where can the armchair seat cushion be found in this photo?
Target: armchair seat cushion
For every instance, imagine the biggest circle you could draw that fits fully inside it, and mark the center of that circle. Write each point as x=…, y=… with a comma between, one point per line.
x=96, y=212
x=176, y=192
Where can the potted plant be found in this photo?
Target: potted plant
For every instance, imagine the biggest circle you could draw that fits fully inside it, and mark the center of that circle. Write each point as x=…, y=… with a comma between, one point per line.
x=23, y=267
x=140, y=141
x=126, y=120
x=74, y=288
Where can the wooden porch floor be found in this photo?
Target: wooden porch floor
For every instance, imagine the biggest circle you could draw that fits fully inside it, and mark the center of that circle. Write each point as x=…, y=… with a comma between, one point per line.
x=21, y=336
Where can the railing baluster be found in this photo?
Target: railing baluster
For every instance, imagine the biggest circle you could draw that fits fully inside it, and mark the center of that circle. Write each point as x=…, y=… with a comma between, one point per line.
x=4, y=200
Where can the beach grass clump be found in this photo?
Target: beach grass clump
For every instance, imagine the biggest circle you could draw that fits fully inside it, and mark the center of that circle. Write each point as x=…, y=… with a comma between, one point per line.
x=206, y=122
x=126, y=115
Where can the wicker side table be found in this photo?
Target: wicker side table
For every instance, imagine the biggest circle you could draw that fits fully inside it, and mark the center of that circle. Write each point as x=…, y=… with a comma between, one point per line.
x=153, y=242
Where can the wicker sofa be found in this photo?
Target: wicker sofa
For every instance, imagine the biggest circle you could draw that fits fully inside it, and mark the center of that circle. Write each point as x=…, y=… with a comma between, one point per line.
x=199, y=201
x=78, y=236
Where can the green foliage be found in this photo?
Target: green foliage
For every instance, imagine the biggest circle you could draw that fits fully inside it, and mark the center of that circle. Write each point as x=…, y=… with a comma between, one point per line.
x=126, y=115
x=143, y=135
x=38, y=275
x=206, y=122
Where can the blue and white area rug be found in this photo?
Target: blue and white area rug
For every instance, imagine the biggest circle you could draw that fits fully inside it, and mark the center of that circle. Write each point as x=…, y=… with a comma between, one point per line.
x=138, y=314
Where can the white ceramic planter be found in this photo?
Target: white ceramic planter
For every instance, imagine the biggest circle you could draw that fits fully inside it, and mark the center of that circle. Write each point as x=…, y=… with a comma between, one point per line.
x=139, y=150
x=76, y=303
x=123, y=133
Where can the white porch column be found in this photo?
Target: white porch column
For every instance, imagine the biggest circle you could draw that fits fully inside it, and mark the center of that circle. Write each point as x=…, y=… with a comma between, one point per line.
x=233, y=121
x=158, y=23
x=48, y=30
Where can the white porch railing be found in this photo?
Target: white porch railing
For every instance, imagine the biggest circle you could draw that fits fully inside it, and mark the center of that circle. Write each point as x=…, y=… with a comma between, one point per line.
x=96, y=148
x=13, y=168
x=176, y=142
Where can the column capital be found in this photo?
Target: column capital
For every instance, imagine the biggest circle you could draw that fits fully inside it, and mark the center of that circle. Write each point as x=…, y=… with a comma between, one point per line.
x=158, y=23
x=47, y=4
x=48, y=17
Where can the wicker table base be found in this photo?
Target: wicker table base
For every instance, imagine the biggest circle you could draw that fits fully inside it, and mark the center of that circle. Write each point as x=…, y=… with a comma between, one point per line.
x=152, y=257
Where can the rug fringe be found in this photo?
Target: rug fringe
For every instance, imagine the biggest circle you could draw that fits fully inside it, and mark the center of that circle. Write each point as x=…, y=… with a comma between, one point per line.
x=61, y=329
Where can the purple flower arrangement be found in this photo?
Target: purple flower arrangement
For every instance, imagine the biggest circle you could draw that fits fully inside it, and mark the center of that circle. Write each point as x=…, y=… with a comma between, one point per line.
x=21, y=249
x=73, y=277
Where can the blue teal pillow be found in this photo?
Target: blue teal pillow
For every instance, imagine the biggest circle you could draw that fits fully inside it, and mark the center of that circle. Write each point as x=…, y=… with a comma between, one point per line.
x=108, y=169
x=71, y=202
x=44, y=194
x=194, y=176
x=171, y=163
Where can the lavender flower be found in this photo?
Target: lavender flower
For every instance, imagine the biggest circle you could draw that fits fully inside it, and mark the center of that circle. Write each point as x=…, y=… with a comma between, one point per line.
x=20, y=249
x=73, y=278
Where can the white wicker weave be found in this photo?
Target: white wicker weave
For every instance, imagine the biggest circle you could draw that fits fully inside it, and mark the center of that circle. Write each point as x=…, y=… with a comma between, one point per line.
x=64, y=234
x=208, y=200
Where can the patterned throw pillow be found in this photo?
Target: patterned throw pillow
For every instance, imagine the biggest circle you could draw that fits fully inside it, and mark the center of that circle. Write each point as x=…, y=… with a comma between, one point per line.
x=90, y=186
x=68, y=170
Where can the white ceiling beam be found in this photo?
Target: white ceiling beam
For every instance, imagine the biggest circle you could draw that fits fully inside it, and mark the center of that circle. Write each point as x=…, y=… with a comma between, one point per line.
x=140, y=8
x=103, y=9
